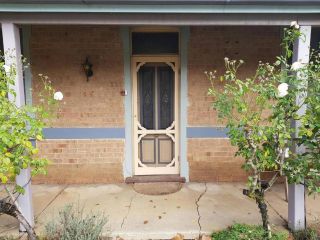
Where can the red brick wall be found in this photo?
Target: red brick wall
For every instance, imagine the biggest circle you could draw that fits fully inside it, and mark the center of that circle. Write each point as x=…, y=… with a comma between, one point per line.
x=207, y=49
x=82, y=161
x=213, y=159
x=59, y=52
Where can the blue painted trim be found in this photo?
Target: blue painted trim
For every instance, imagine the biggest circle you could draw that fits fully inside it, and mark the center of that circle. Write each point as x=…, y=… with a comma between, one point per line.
x=184, y=165
x=207, y=132
x=33, y=142
x=100, y=8
x=128, y=161
x=83, y=133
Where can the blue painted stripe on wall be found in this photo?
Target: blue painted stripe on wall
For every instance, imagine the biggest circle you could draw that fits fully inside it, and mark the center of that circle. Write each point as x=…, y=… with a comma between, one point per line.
x=100, y=133
x=83, y=133
x=207, y=132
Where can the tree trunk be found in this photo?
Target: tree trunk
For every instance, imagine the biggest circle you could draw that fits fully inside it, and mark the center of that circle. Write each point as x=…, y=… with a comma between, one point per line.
x=264, y=213
x=11, y=210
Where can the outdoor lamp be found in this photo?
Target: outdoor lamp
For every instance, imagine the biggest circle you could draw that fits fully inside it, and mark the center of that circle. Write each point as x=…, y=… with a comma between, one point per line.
x=87, y=67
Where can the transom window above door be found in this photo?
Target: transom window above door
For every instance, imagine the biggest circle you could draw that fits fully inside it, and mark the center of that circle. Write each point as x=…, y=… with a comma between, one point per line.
x=155, y=43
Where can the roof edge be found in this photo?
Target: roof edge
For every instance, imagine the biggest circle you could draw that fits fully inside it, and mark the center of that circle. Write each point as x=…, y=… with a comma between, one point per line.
x=166, y=2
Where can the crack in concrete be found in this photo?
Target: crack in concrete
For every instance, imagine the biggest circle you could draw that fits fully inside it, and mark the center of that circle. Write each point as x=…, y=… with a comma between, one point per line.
x=52, y=200
x=275, y=210
x=129, y=208
x=197, y=204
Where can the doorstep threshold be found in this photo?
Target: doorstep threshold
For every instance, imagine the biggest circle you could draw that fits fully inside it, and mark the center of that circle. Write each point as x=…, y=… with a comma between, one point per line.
x=155, y=178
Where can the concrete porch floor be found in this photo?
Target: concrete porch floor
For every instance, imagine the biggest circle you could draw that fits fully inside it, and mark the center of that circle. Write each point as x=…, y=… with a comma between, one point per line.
x=196, y=208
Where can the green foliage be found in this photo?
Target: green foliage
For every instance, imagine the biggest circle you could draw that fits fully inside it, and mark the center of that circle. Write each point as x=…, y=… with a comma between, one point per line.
x=307, y=234
x=307, y=165
x=9, y=238
x=259, y=111
x=246, y=232
x=21, y=124
x=17, y=238
x=73, y=225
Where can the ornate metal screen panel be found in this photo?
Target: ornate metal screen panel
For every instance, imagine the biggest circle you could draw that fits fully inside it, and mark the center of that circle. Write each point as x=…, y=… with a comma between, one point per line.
x=146, y=82
x=155, y=108
x=166, y=96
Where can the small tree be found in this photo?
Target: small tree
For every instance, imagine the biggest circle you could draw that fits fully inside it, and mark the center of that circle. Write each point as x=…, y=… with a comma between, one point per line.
x=258, y=112
x=18, y=127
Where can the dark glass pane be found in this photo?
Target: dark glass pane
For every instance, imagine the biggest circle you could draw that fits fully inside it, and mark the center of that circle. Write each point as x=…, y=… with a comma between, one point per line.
x=315, y=37
x=1, y=42
x=146, y=92
x=166, y=96
x=155, y=43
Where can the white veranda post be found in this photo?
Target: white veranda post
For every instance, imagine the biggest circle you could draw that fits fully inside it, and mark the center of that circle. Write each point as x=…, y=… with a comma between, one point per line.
x=296, y=194
x=12, y=51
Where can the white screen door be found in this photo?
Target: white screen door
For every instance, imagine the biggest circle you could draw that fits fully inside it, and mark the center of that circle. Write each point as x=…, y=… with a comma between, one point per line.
x=155, y=100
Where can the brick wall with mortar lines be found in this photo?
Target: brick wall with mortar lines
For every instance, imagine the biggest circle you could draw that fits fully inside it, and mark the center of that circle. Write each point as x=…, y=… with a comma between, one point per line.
x=213, y=159
x=59, y=52
x=82, y=161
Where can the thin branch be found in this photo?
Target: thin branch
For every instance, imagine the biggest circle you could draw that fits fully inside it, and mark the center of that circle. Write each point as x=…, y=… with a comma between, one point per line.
x=272, y=181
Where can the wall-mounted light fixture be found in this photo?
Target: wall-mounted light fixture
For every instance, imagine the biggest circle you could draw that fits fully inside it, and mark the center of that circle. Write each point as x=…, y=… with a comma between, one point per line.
x=87, y=67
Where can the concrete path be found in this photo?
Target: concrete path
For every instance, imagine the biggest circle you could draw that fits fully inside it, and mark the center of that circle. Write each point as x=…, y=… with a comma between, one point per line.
x=196, y=208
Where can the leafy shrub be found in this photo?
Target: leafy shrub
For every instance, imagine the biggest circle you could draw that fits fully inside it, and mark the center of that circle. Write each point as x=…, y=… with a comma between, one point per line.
x=307, y=234
x=9, y=238
x=19, y=125
x=246, y=232
x=259, y=110
x=74, y=225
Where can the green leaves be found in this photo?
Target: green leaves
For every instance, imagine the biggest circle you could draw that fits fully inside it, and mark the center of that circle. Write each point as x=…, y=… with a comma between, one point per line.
x=260, y=119
x=246, y=232
x=19, y=125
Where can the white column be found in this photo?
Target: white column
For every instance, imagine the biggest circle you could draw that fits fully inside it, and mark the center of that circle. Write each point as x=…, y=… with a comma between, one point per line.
x=12, y=51
x=296, y=194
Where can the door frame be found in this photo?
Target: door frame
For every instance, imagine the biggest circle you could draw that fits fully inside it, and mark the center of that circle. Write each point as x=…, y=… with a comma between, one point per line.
x=174, y=62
